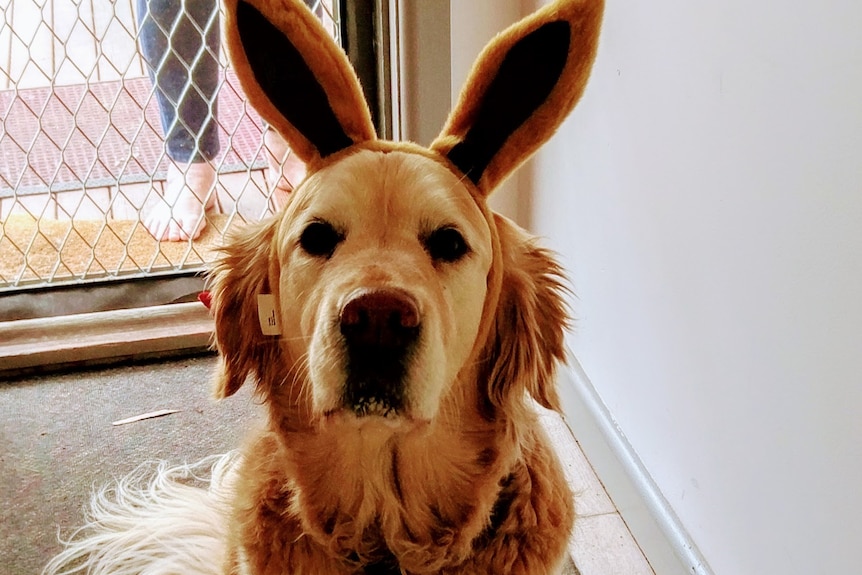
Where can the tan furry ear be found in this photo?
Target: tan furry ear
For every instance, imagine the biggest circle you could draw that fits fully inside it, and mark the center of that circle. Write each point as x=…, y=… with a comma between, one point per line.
x=527, y=339
x=243, y=272
x=296, y=77
x=521, y=88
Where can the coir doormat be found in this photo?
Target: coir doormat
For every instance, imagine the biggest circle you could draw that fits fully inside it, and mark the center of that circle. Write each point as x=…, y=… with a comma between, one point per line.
x=37, y=251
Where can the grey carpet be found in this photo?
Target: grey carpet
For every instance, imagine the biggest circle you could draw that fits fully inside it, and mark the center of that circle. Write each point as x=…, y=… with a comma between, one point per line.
x=57, y=443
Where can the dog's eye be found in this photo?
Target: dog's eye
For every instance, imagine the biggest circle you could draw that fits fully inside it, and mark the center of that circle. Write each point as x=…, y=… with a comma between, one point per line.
x=446, y=245
x=320, y=239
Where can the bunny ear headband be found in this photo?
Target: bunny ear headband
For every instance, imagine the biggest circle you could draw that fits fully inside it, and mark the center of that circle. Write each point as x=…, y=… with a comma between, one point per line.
x=522, y=86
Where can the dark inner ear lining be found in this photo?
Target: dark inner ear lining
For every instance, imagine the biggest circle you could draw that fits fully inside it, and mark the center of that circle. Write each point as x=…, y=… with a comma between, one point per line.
x=526, y=77
x=288, y=82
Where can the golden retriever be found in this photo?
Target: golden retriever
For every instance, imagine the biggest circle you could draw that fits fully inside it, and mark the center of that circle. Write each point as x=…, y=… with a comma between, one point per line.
x=398, y=425
x=394, y=327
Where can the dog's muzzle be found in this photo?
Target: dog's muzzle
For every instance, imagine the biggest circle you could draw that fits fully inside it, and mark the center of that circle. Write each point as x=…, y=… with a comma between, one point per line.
x=380, y=328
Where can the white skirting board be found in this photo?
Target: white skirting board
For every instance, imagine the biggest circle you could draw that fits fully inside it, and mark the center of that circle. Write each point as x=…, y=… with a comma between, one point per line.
x=649, y=517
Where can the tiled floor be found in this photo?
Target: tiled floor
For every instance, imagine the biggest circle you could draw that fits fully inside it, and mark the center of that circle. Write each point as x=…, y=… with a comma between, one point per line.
x=85, y=136
x=93, y=155
x=602, y=544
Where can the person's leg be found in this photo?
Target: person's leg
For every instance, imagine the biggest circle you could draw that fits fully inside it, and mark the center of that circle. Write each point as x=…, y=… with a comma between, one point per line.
x=284, y=170
x=180, y=42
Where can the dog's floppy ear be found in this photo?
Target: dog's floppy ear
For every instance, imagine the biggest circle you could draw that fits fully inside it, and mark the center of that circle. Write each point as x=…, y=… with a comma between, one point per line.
x=527, y=338
x=521, y=88
x=236, y=279
x=296, y=77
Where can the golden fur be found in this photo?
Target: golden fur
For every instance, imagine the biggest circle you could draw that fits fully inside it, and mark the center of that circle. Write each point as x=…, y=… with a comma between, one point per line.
x=324, y=491
x=416, y=324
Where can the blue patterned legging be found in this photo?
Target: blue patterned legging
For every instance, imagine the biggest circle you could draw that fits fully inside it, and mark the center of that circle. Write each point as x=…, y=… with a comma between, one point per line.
x=180, y=43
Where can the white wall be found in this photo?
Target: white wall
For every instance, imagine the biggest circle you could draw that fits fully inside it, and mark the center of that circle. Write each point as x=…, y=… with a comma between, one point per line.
x=707, y=198
x=424, y=72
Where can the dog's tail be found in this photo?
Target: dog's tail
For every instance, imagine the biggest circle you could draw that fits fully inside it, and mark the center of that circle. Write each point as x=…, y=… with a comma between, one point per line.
x=158, y=520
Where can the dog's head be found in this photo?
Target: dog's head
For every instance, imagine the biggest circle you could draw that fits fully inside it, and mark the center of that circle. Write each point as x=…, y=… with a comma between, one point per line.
x=391, y=282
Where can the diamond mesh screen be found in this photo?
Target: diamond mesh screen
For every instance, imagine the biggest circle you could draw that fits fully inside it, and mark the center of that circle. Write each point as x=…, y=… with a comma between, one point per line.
x=83, y=154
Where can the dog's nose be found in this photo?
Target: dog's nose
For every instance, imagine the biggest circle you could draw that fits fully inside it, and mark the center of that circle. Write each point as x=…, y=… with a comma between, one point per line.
x=380, y=318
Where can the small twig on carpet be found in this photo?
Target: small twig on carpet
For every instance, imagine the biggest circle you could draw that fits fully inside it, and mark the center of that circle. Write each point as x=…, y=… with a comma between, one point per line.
x=150, y=415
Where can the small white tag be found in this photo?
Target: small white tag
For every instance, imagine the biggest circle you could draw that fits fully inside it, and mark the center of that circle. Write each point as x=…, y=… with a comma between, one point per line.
x=267, y=315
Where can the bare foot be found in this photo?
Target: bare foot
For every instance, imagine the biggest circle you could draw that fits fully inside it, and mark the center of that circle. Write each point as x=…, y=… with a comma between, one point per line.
x=181, y=214
x=285, y=170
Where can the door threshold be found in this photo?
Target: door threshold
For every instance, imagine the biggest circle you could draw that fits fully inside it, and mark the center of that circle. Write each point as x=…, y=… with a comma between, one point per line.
x=53, y=343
